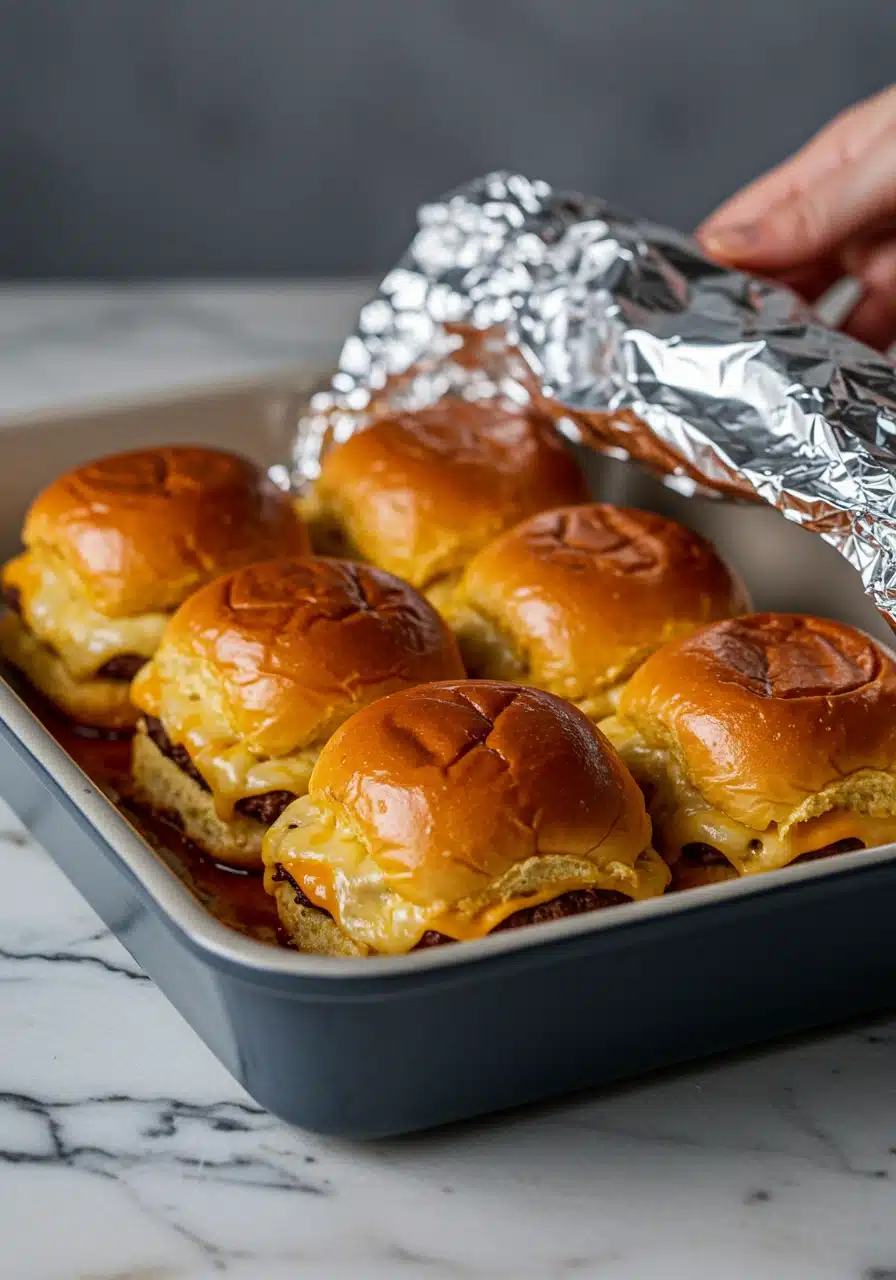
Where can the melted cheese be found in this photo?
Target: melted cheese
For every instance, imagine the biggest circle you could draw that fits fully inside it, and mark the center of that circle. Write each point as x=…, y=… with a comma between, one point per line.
x=232, y=770
x=336, y=872
x=490, y=654
x=603, y=702
x=682, y=816
x=750, y=851
x=440, y=592
x=57, y=612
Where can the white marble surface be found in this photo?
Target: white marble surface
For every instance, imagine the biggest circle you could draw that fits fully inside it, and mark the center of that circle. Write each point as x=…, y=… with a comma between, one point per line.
x=126, y=1151
x=74, y=345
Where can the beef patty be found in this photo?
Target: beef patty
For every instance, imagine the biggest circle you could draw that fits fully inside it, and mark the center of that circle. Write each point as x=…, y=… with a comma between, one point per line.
x=705, y=855
x=573, y=903
x=265, y=808
x=124, y=666
x=840, y=846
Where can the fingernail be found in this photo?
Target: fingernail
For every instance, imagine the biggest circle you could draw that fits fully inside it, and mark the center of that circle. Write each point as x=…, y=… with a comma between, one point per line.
x=732, y=241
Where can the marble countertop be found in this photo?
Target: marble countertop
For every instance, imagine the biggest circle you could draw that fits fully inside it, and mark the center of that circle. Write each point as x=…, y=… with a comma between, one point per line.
x=128, y=1153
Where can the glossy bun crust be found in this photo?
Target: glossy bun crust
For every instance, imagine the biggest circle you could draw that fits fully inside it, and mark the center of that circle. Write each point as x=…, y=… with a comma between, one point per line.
x=762, y=741
x=420, y=493
x=142, y=530
x=454, y=784
x=287, y=649
x=764, y=712
x=254, y=673
x=573, y=600
x=460, y=803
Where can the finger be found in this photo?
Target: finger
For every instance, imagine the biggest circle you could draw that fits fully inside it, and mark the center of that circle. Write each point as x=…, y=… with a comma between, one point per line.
x=874, y=263
x=854, y=200
x=873, y=322
x=851, y=134
x=867, y=261
x=810, y=282
x=750, y=204
x=814, y=280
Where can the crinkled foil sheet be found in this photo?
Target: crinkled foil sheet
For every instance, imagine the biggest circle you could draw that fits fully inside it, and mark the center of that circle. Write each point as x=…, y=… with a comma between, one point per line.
x=637, y=345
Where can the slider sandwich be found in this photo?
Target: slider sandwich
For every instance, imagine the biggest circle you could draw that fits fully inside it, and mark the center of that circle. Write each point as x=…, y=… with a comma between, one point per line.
x=112, y=548
x=762, y=741
x=574, y=600
x=420, y=493
x=254, y=674
x=454, y=810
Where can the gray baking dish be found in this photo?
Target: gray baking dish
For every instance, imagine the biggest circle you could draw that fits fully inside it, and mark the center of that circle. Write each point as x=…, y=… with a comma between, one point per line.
x=376, y=1047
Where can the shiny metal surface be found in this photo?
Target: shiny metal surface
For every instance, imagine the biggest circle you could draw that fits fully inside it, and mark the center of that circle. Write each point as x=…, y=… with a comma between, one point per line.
x=641, y=345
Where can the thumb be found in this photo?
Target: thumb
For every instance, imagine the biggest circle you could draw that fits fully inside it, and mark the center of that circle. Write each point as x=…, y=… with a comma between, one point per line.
x=854, y=199
x=841, y=185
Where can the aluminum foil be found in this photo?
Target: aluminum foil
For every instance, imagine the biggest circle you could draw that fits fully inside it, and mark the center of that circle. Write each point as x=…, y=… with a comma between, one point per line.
x=636, y=344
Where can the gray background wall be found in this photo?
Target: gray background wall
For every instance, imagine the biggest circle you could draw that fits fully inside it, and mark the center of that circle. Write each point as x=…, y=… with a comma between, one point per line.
x=254, y=137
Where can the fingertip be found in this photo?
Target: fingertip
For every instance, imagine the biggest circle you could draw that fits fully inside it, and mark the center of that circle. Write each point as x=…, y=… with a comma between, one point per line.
x=731, y=242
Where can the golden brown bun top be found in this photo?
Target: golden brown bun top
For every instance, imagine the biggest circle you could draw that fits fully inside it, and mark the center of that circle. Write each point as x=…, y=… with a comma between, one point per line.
x=764, y=711
x=290, y=648
x=142, y=530
x=420, y=493
x=450, y=785
x=584, y=594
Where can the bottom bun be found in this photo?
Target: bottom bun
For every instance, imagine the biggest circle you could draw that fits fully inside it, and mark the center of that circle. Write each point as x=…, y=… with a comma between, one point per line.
x=310, y=929
x=173, y=794
x=102, y=704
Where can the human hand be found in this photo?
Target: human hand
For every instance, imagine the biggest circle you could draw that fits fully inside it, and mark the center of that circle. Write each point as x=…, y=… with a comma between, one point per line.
x=827, y=212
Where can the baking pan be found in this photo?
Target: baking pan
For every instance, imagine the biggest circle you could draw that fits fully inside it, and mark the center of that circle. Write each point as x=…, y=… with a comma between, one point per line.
x=368, y=1048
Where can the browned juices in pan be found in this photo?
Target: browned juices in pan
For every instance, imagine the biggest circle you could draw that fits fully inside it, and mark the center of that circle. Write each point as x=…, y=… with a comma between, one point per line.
x=235, y=898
